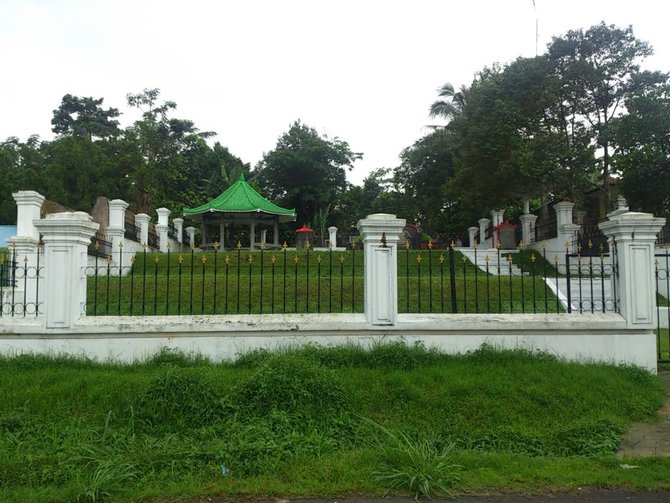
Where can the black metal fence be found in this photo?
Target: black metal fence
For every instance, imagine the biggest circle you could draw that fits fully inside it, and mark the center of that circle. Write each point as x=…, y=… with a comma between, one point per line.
x=100, y=247
x=132, y=232
x=20, y=281
x=545, y=229
x=152, y=239
x=663, y=305
x=591, y=240
x=664, y=235
x=226, y=282
x=494, y=281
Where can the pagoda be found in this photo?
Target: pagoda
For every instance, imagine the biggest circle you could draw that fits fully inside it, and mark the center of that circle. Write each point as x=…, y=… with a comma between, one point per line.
x=240, y=204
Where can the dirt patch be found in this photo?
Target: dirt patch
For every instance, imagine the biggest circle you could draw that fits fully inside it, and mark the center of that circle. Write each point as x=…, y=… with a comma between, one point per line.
x=650, y=439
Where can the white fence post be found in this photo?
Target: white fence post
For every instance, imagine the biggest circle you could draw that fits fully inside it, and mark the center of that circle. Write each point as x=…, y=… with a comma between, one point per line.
x=179, y=227
x=380, y=233
x=565, y=229
x=66, y=238
x=25, y=245
x=190, y=231
x=472, y=235
x=162, y=228
x=635, y=234
x=497, y=218
x=142, y=222
x=527, y=224
x=117, y=225
x=483, y=225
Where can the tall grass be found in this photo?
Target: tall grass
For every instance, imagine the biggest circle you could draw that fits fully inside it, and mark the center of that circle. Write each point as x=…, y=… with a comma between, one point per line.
x=291, y=423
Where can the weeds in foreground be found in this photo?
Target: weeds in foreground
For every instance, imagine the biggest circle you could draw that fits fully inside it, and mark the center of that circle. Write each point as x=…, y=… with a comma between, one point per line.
x=416, y=466
x=288, y=424
x=107, y=480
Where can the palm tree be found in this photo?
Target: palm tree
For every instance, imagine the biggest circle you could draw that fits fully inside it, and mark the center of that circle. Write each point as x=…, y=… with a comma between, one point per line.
x=453, y=104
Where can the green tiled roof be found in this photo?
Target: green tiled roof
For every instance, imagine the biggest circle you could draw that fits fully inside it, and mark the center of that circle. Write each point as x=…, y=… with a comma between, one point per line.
x=240, y=198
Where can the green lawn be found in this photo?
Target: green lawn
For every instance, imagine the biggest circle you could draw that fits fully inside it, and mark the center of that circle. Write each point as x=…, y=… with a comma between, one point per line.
x=300, y=282
x=318, y=423
x=663, y=344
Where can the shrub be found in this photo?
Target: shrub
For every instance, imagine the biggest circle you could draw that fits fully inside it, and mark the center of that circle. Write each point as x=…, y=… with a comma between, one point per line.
x=416, y=466
x=592, y=438
x=176, y=358
x=178, y=398
x=295, y=385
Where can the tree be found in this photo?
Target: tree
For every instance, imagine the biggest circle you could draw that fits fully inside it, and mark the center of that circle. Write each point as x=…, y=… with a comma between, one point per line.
x=596, y=68
x=518, y=142
x=306, y=171
x=21, y=168
x=85, y=117
x=424, y=169
x=452, y=105
x=213, y=170
x=162, y=173
x=378, y=194
x=78, y=170
x=643, y=137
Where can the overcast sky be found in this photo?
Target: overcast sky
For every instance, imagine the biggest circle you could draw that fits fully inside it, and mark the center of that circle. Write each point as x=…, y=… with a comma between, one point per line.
x=364, y=71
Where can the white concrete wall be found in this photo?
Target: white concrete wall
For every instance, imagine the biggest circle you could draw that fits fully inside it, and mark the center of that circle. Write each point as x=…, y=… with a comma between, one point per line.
x=600, y=337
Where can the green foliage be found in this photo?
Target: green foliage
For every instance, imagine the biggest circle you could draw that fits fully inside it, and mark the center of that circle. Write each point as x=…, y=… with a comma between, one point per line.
x=168, y=357
x=295, y=386
x=85, y=117
x=643, y=156
x=288, y=424
x=414, y=466
x=547, y=127
x=105, y=479
x=424, y=168
x=157, y=161
x=597, y=66
x=305, y=171
x=176, y=399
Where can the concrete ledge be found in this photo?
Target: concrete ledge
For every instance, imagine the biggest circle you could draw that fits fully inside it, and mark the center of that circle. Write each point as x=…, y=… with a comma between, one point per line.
x=127, y=326
x=600, y=337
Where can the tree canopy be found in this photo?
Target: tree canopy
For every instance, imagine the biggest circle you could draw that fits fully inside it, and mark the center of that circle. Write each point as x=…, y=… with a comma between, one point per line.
x=305, y=171
x=157, y=161
x=565, y=123
x=550, y=127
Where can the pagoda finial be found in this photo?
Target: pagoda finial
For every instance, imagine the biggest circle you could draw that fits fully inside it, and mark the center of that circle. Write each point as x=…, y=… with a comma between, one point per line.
x=241, y=176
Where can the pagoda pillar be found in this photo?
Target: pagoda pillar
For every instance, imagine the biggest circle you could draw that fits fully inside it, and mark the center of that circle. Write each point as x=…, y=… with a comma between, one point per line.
x=275, y=239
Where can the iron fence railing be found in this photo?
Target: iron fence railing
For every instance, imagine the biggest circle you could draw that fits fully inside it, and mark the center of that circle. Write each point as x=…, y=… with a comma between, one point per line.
x=226, y=282
x=100, y=247
x=172, y=232
x=546, y=229
x=663, y=305
x=20, y=281
x=495, y=281
x=132, y=232
x=590, y=240
x=152, y=240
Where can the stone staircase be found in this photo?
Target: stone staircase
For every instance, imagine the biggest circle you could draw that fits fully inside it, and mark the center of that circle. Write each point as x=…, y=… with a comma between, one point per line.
x=492, y=254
